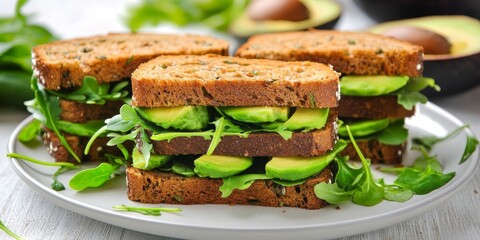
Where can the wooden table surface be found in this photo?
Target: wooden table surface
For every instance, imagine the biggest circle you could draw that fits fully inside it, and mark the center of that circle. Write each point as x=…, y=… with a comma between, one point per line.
x=28, y=214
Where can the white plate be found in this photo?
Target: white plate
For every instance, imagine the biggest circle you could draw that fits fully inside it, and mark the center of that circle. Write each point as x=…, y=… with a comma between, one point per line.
x=240, y=222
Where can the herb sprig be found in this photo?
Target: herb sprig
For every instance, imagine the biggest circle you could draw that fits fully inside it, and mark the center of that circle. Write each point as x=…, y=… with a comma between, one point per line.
x=9, y=232
x=146, y=210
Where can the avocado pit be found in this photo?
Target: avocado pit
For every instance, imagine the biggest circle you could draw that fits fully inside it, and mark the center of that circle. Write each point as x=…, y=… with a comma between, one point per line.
x=431, y=42
x=287, y=10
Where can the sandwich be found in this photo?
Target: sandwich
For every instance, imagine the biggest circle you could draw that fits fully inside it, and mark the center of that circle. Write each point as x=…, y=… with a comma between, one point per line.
x=224, y=130
x=78, y=83
x=380, y=82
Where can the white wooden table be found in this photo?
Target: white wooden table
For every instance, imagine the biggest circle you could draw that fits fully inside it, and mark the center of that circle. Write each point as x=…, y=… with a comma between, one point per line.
x=26, y=213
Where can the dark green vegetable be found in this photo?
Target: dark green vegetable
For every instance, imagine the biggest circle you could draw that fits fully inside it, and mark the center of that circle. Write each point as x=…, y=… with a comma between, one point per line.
x=470, y=147
x=64, y=167
x=17, y=37
x=213, y=14
x=30, y=132
x=93, y=93
x=410, y=95
x=146, y=210
x=93, y=177
x=9, y=232
x=429, y=141
x=422, y=181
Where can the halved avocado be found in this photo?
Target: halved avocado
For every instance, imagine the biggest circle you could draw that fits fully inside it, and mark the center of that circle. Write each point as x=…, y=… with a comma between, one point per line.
x=454, y=72
x=323, y=15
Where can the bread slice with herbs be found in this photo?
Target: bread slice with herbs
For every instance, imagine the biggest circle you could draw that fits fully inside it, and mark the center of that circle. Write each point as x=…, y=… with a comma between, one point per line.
x=112, y=57
x=213, y=80
x=350, y=53
x=163, y=187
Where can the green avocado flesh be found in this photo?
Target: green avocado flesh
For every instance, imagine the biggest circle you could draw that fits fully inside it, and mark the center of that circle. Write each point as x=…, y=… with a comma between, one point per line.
x=297, y=168
x=462, y=32
x=321, y=12
x=182, y=117
x=215, y=166
x=364, y=127
x=307, y=119
x=257, y=114
x=371, y=85
x=138, y=161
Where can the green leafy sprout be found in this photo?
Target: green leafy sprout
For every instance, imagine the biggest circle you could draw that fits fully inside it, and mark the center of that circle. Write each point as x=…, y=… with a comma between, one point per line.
x=9, y=232
x=154, y=211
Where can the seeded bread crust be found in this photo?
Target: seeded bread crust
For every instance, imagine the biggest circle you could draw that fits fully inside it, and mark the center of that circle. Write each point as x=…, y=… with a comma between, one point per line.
x=214, y=80
x=160, y=187
x=377, y=107
x=348, y=52
x=97, y=151
x=306, y=144
x=112, y=57
x=377, y=152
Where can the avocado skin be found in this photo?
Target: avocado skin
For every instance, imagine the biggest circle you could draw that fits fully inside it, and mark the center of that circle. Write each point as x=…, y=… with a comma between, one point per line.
x=455, y=72
x=453, y=75
x=382, y=10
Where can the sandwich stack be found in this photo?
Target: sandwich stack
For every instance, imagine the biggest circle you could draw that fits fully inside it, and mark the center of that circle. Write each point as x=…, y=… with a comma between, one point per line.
x=81, y=82
x=380, y=82
x=227, y=130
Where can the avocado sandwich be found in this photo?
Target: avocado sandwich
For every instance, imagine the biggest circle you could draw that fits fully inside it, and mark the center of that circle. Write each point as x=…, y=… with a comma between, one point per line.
x=380, y=82
x=78, y=83
x=225, y=130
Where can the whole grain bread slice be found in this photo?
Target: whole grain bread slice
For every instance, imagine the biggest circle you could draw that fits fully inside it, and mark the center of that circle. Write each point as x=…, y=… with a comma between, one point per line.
x=213, y=80
x=306, y=144
x=372, y=107
x=161, y=187
x=112, y=57
x=348, y=52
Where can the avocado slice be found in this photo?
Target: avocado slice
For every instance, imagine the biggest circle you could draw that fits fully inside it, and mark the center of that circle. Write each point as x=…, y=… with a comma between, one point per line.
x=182, y=117
x=368, y=86
x=307, y=119
x=463, y=34
x=138, y=161
x=297, y=168
x=215, y=166
x=323, y=13
x=364, y=127
x=257, y=114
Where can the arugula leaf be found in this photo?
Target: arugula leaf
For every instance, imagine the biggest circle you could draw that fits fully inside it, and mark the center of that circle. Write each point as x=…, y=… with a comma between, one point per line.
x=9, y=232
x=397, y=193
x=470, y=147
x=17, y=37
x=57, y=185
x=92, y=177
x=347, y=177
x=423, y=181
x=331, y=193
x=240, y=182
x=86, y=129
x=30, y=132
x=217, y=15
x=410, y=94
x=50, y=110
x=64, y=166
x=93, y=93
x=429, y=141
x=394, y=134
x=146, y=210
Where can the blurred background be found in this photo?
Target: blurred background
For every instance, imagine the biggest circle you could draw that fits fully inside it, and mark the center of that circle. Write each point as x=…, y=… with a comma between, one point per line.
x=449, y=30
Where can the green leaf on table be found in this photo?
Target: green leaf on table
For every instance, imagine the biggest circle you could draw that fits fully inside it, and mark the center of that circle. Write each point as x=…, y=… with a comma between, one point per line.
x=9, y=232
x=397, y=194
x=429, y=141
x=331, y=193
x=423, y=182
x=92, y=177
x=470, y=147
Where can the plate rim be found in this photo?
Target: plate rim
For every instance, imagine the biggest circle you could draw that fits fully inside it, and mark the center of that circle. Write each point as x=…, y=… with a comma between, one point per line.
x=117, y=218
